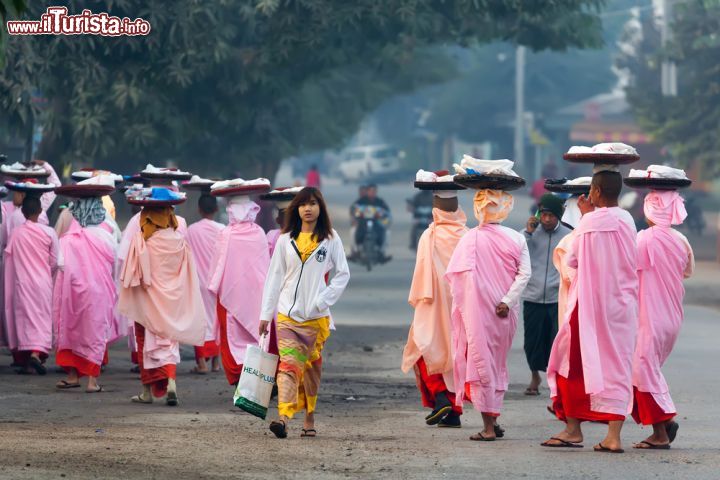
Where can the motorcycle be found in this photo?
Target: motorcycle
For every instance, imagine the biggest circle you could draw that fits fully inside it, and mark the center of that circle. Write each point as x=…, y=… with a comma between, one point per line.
x=368, y=252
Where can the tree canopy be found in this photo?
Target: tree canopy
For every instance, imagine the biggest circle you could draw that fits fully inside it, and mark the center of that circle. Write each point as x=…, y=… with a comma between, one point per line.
x=241, y=84
x=689, y=123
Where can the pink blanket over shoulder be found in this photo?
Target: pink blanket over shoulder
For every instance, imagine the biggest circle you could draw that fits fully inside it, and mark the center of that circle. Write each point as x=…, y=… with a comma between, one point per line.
x=605, y=291
x=30, y=261
x=482, y=269
x=237, y=276
x=85, y=294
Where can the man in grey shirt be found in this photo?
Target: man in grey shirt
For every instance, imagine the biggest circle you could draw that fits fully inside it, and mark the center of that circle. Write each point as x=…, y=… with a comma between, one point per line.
x=540, y=305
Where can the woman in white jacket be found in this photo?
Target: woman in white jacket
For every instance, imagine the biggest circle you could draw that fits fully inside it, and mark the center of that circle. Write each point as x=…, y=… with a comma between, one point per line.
x=308, y=273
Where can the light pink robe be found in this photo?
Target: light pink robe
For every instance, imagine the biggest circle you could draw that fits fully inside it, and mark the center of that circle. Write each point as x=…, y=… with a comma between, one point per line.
x=605, y=290
x=237, y=276
x=30, y=262
x=430, y=335
x=161, y=291
x=665, y=258
x=566, y=273
x=202, y=237
x=482, y=271
x=85, y=293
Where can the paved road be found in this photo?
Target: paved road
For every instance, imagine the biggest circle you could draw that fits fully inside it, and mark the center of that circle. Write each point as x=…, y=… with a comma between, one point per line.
x=370, y=420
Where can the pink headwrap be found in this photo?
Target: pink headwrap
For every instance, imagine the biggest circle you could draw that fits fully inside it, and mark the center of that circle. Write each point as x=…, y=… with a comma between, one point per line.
x=241, y=209
x=492, y=206
x=664, y=208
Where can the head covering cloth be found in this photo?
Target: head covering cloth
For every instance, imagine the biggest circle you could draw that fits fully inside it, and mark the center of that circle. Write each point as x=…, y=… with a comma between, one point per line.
x=492, y=206
x=88, y=211
x=153, y=219
x=664, y=208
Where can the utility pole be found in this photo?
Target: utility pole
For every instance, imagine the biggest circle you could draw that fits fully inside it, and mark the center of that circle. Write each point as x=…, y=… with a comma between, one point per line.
x=668, y=69
x=519, y=143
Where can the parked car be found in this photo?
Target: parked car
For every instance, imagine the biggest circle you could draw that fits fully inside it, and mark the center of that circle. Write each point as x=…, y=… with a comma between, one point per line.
x=374, y=163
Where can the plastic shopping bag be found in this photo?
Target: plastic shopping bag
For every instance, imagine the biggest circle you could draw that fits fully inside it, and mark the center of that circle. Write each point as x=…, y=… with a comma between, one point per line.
x=256, y=380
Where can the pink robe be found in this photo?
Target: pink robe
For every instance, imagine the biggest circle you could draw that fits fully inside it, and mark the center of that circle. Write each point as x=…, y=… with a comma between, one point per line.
x=237, y=276
x=272, y=238
x=85, y=293
x=202, y=237
x=605, y=291
x=665, y=258
x=161, y=291
x=30, y=262
x=482, y=271
x=430, y=333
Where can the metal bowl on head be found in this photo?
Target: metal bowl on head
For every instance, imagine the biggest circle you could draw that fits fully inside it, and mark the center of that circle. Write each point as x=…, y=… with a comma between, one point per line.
x=602, y=158
x=241, y=190
x=657, y=183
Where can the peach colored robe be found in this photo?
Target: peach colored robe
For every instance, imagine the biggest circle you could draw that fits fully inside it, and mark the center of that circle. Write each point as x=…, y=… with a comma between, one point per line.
x=566, y=274
x=161, y=291
x=430, y=334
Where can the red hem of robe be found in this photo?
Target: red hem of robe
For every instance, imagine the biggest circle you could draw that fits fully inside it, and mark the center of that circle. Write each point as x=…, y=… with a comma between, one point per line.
x=432, y=385
x=232, y=369
x=67, y=359
x=646, y=411
x=571, y=400
x=157, y=378
x=207, y=351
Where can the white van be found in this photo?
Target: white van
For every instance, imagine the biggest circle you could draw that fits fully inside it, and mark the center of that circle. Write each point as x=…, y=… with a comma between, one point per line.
x=370, y=162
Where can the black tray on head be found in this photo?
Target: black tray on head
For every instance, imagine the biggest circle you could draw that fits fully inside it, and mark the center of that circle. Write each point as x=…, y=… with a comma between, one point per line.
x=438, y=186
x=557, y=186
x=657, y=183
x=490, y=181
x=602, y=158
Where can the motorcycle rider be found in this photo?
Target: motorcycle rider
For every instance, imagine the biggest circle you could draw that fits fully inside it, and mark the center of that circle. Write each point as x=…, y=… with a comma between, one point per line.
x=382, y=215
x=420, y=206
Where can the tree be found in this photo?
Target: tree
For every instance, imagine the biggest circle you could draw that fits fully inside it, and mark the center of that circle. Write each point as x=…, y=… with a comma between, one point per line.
x=8, y=9
x=688, y=124
x=240, y=84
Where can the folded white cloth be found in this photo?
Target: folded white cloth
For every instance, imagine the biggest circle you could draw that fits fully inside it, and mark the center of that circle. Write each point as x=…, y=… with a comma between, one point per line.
x=19, y=167
x=432, y=177
x=95, y=173
x=106, y=180
x=659, y=171
x=579, y=181
x=469, y=164
x=614, y=148
x=239, y=182
x=294, y=190
x=199, y=179
x=151, y=169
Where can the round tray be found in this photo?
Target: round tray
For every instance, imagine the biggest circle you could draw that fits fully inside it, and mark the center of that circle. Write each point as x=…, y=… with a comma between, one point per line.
x=550, y=186
x=235, y=191
x=155, y=203
x=601, y=158
x=84, y=191
x=166, y=175
x=492, y=182
x=25, y=175
x=39, y=190
x=438, y=186
x=657, y=183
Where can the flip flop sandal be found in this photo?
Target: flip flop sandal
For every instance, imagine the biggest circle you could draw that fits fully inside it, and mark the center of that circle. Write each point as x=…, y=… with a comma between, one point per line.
x=532, y=392
x=601, y=448
x=309, y=432
x=279, y=428
x=437, y=415
x=672, y=429
x=64, y=385
x=197, y=371
x=38, y=366
x=651, y=446
x=139, y=399
x=95, y=390
x=478, y=437
x=562, y=444
x=499, y=431
x=551, y=411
